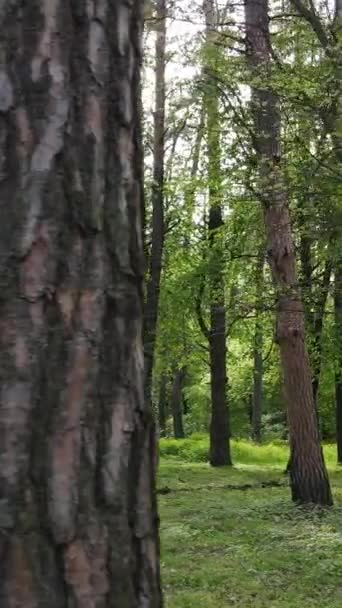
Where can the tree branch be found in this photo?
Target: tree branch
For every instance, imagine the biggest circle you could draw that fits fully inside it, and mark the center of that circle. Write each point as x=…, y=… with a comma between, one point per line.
x=312, y=19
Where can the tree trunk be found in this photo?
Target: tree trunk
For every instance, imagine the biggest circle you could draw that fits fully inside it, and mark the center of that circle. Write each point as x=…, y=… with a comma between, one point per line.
x=162, y=404
x=157, y=240
x=338, y=363
x=308, y=475
x=219, y=425
x=190, y=189
x=314, y=306
x=317, y=331
x=257, y=353
x=78, y=522
x=177, y=404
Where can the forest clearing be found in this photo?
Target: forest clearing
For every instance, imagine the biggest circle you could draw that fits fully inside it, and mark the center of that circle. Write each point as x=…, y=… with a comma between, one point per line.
x=245, y=547
x=170, y=303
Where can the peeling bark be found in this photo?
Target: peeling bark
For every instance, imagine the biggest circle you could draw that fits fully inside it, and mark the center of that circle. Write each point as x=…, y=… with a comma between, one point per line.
x=78, y=522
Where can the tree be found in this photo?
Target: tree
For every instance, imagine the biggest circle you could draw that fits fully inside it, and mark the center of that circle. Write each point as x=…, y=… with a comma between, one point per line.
x=158, y=223
x=257, y=349
x=162, y=403
x=78, y=522
x=219, y=425
x=177, y=403
x=338, y=357
x=309, y=478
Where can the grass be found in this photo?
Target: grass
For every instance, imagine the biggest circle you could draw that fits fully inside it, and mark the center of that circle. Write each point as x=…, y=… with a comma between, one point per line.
x=224, y=547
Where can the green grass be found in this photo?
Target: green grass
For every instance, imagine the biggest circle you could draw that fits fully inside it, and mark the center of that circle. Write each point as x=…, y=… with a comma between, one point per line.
x=224, y=547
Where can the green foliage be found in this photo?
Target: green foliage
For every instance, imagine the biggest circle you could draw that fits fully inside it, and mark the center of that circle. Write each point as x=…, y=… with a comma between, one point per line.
x=305, y=78
x=195, y=449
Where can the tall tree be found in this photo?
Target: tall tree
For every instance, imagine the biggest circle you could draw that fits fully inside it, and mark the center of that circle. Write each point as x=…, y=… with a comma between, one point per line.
x=162, y=403
x=315, y=292
x=177, y=404
x=338, y=357
x=308, y=475
x=257, y=349
x=329, y=36
x=219, y=425
x=78, y=523
x=158, y=228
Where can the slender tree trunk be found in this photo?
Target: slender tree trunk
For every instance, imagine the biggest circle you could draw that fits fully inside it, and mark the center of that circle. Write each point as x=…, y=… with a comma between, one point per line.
x=317, y=331
x=314, y=307
x=177, y=404
x=162, y=404
x=338, y=363
x=190, y=190
x=219, y=425
x=158, y=229
x=308, y=475
x=78, y=524
x=257, y=352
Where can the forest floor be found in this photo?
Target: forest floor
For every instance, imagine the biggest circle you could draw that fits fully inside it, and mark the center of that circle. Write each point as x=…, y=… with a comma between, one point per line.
x=247, y=546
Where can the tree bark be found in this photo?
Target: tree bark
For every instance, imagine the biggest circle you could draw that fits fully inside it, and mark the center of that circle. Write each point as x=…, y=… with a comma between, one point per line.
x=308, y=475
x=219, y=425
x=177, y=404
x=257, y=353
x=158, y=228
x=78, y=522
x=338, y=360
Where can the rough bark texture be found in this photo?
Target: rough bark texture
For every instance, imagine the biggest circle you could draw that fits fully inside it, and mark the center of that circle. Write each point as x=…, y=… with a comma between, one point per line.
x=257, y=352
x=177, y=404
x=78, y=523
x=157, y=238
x=338, y=363
x=308, y=475
x=219, y=424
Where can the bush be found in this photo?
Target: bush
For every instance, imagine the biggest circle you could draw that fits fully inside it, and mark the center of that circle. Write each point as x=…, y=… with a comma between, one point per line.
x=196, y=449
x=246, y=453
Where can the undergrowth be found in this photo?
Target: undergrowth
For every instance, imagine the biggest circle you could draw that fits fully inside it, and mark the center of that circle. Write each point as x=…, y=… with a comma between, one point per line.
x=196, y=449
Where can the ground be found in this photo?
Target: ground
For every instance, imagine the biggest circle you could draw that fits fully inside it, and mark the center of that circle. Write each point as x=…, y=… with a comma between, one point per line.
x=225, y=547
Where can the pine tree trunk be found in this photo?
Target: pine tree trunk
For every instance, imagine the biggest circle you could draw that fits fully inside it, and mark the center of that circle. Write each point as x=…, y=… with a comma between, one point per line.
x=78, y=522
x=157, y=235
x=257, y=354
x=338, y=361
x=308, y=475
x=219, y=425
x=177, y=404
